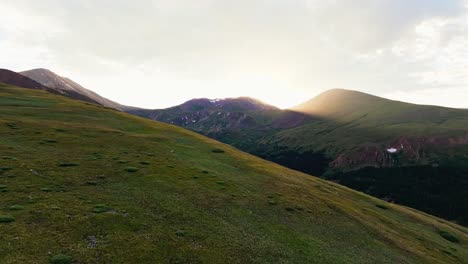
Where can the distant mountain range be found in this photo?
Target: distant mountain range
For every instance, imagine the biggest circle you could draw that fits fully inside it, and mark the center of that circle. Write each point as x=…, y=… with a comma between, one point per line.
x=405, y=153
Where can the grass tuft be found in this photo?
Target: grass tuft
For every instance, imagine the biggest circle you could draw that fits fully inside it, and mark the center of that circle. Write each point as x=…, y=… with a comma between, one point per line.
x=101, y=208
x=449, y=236
x=5, y=219
x=217, y=150
x=68, y=164
x=61, y=259
x=381, y=206
x=15, y=207
x=131, y=169
x=12, y=125
x=4, y=168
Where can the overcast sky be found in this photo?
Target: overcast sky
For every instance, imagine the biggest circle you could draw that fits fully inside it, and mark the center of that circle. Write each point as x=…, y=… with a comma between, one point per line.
x=159, y=53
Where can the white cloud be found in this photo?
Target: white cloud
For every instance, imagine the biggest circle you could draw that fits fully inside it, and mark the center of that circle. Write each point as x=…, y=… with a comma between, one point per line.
x=156, y=53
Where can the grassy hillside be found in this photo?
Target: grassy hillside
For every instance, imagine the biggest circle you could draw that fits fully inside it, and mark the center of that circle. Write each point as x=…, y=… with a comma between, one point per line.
x=85, y=184
x=344, y=135
x=429, y=172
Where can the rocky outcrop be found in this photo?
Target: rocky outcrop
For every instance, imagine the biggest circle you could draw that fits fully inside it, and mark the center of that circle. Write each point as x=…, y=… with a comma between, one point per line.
x=415, y=150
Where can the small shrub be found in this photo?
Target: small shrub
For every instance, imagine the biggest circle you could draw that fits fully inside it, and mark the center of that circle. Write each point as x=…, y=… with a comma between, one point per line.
x=144, y=163
x=12, y=125
x=449, y=236
x=68, y=164
x=50, y=140
x=5, y=219
x=2, y=186
x=381, y=206
x=60, y=130
x=180, y=233
x=122, y=161
x=46, y=189
x=220, y=182
x=9, y=158
x=2, y=169
x=101, y=208
x=205, y=172
x=271, y=202
x=131, y=169
x=91, y=183
x=16, y=207
x=289, y=209
x=61, y=259
x=217, y=150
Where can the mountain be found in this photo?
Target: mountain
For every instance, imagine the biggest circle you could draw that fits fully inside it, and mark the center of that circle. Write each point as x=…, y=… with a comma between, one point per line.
x=162, y=194
x=241, y=120
x=15, y=79
x=405, y=153
x=69, y=88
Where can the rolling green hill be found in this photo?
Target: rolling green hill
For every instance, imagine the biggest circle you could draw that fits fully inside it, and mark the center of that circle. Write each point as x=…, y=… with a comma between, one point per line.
x=81, y=183
x=429, y=170
x=345, y=136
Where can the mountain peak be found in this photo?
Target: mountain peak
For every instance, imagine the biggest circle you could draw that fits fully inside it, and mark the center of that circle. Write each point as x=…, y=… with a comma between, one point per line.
x=230, y=104
x=67, y=87
x=40, y=70
x=339, y=101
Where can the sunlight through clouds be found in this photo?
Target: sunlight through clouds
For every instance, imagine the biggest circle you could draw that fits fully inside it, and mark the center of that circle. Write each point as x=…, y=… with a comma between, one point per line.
x=155, y=53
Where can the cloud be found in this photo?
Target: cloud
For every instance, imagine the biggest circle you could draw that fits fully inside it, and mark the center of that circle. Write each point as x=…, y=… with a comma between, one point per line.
x=222, y=48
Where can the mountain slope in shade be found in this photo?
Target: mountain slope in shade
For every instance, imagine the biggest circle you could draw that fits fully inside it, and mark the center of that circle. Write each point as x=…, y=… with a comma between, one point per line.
x=345, y=133
x=69, y=88
x=166, y=195
x=16, y=79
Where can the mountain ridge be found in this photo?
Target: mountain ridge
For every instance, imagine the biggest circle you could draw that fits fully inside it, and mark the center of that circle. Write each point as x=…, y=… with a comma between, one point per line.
x=16, y=79
x=69, y=88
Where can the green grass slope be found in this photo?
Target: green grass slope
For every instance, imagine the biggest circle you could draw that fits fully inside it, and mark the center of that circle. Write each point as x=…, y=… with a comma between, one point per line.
x=81, y=183
x=354, y=131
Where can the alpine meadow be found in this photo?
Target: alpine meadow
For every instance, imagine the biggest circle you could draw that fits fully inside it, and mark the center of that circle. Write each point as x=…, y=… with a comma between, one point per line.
x=234, y=132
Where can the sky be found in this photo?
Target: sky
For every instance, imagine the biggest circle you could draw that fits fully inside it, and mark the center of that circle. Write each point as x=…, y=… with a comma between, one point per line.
x=160, y=53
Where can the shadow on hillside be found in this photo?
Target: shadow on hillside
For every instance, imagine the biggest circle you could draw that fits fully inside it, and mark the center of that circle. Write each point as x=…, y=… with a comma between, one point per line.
x=430, y=182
